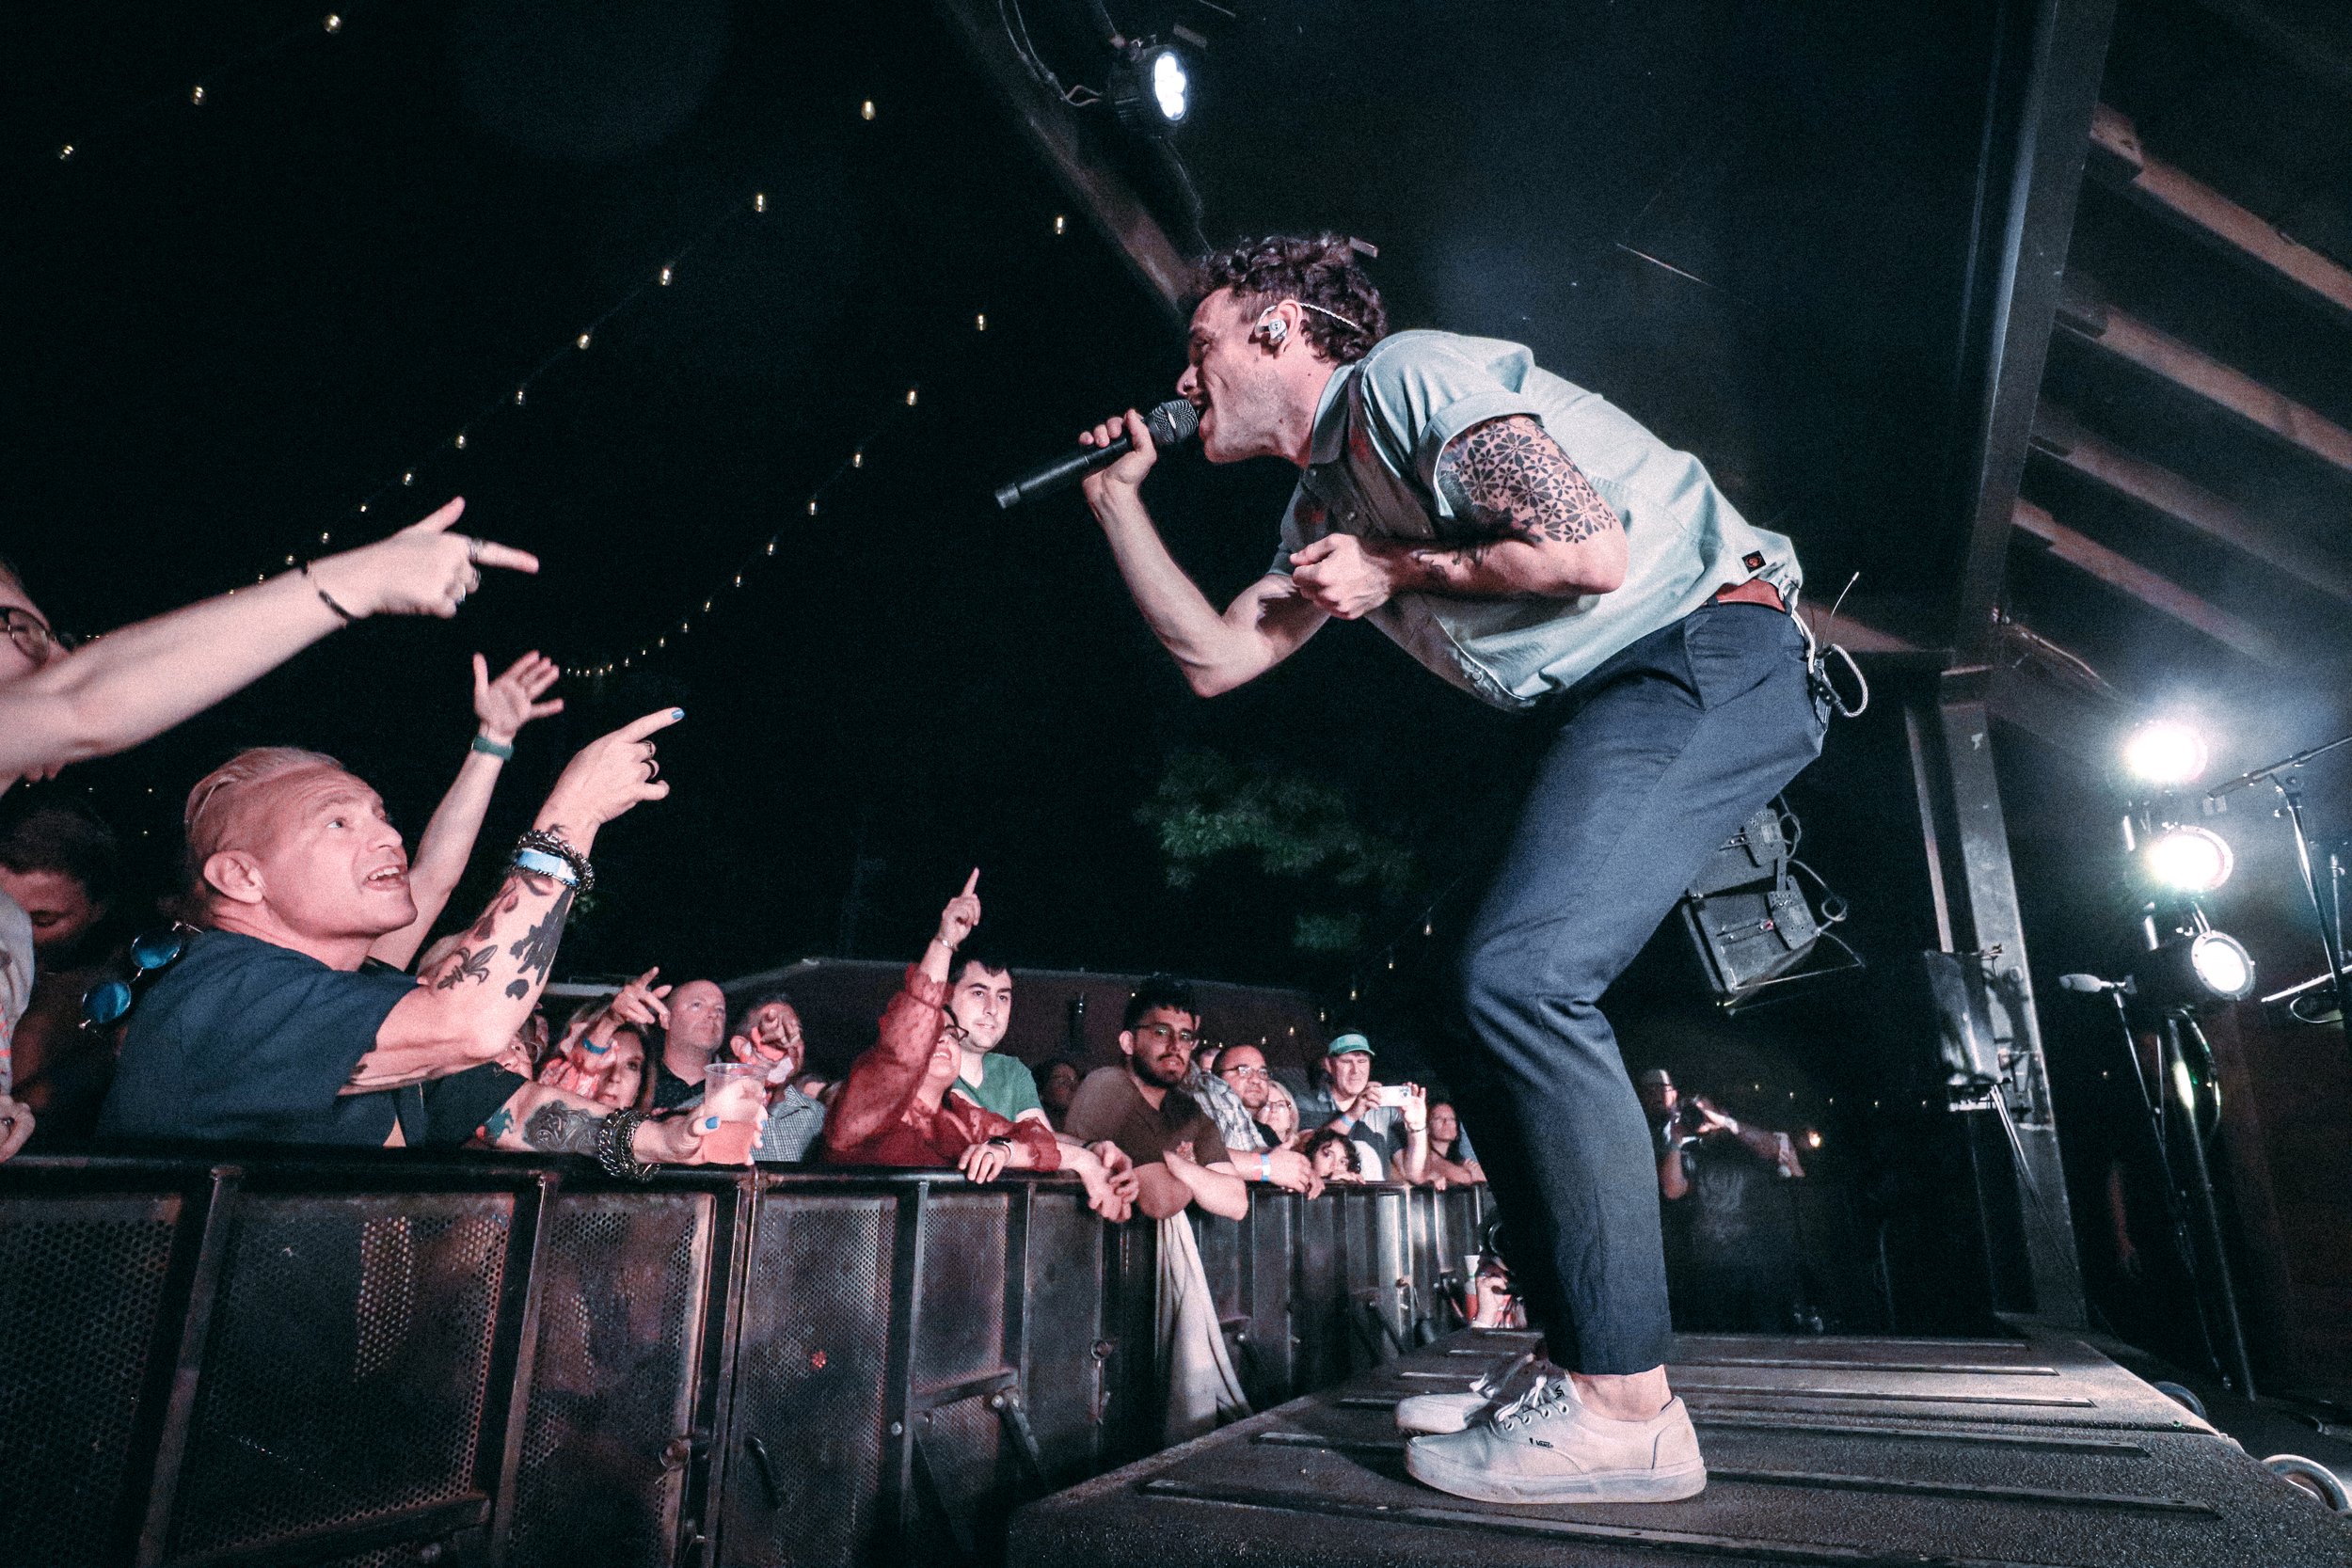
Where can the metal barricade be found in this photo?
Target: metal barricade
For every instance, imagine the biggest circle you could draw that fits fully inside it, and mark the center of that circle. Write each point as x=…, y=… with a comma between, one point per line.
x=383, y=1360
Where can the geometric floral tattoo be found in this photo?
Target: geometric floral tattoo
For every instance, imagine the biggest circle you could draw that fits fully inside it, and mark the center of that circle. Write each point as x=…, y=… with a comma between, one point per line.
x=1507, y=479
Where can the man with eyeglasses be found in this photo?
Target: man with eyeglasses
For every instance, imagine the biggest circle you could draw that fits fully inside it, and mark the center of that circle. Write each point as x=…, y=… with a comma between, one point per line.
x=1179, y=1159
x=60, y=705
x=1232, y=1087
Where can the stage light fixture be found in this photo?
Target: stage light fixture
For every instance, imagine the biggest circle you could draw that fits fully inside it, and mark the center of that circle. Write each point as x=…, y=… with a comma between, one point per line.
x=1151, y=89
x=2165, y=751
x=2196, y=968
x=2189, y=860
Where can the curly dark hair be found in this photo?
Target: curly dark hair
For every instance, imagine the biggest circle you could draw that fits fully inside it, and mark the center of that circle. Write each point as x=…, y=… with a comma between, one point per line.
x=1317, y=270
x=1160, y=990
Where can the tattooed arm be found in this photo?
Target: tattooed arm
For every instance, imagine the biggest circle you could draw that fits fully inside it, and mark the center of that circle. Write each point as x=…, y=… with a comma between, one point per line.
x=537, y=1120
x=468, y=1004
x=1533, y=527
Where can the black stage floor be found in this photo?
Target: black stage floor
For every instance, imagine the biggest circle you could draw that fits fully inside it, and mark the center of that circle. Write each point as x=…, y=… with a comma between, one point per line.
x=2037, y=1450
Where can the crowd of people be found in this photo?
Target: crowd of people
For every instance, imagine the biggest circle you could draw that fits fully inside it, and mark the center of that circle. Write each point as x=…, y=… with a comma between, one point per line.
x=290, y=996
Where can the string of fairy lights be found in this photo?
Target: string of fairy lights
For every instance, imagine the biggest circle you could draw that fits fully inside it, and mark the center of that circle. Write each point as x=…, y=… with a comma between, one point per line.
x=203, y=90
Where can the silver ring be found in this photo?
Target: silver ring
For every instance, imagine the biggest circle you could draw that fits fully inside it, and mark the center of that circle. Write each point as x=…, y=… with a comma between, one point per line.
x=653, y=769
x=473, y=550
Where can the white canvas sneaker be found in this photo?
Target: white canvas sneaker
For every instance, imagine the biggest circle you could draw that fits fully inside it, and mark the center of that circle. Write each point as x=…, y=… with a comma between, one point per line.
x=1545, y=1447
x=1433, y=1413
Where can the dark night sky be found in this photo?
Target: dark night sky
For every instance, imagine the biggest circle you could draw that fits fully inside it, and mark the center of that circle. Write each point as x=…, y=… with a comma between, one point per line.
x=230, y=324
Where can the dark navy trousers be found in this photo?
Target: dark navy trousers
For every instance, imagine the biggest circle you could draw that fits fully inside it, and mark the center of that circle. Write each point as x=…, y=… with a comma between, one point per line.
x=1659, y=755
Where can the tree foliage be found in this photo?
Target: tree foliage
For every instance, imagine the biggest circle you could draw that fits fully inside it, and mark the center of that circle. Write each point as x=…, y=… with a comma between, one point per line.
x=1209, y=807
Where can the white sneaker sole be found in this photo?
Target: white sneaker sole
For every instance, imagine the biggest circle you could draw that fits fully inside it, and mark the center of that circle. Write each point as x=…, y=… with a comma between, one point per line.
x=1433, y=1468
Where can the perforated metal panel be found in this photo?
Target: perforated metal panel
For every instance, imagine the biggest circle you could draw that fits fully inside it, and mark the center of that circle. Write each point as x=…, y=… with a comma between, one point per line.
x=963, y=1496
x=1319, y=1301
x=81, y=1281
x=345, y=1377
x=960, y=1330
x=1269, y=1355
x=408, y=1554
x=620, y=1313
x=811, y=1369
x=1062, y=1382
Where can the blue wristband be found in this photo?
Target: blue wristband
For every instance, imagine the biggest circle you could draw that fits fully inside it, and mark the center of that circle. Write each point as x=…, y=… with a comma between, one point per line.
x=489, y=748
x=538, y=862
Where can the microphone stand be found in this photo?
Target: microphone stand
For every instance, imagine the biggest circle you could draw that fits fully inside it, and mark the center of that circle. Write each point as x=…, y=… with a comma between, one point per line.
x=2286, y=776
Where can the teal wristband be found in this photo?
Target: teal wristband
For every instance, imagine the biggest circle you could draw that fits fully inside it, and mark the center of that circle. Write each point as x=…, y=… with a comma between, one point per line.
x=538, y=862
x=489, y=748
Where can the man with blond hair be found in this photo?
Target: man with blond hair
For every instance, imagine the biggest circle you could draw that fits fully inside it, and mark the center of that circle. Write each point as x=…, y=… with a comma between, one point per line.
x=270, y=1025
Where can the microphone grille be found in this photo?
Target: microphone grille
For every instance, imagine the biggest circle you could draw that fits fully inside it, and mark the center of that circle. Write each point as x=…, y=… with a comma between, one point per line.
x=2082, y=982
x=1173, y=422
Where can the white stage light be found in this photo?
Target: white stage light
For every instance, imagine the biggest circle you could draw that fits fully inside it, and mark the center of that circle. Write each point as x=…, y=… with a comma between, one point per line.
x=2166, y=753
x=2189, y=860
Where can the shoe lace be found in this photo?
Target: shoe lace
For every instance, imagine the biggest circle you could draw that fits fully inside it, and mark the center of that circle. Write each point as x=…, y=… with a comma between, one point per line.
x=1542, y=1396
x=1495, y=1382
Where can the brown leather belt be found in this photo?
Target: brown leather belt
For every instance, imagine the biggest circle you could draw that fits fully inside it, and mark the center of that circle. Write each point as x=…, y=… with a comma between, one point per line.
x=1754, y=591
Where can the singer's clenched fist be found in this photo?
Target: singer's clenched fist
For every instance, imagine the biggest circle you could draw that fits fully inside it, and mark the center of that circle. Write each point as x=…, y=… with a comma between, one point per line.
x=1120, y=482
x=1339, y=577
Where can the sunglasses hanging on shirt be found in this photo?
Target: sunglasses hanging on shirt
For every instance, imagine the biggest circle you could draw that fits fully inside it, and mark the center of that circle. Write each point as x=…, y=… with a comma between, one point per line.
x=109, y=1001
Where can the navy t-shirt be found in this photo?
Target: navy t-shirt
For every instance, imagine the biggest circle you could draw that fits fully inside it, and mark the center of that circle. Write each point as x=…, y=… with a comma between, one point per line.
x=242, y=1038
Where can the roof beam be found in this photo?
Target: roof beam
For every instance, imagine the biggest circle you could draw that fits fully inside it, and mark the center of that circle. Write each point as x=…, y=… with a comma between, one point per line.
x=2039, y=99
x=2213, y=217
x=2158, y=593
x=2060, y=436
x=2086, y=315
x=1113, y=204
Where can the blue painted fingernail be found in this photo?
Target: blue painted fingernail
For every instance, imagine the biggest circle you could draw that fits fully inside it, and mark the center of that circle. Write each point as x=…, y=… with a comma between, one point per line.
x=711, y=1124
x=678, y=713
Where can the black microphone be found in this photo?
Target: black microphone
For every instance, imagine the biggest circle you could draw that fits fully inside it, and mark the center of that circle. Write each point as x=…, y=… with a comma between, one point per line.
x=1172, y=423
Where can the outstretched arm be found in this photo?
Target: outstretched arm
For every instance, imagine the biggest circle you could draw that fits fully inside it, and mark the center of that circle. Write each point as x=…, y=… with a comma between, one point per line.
x=502, y=706
x=543, y=1121
x=1262, y=627
x=130, y=685
x=1534, y=528
x=468, y=1004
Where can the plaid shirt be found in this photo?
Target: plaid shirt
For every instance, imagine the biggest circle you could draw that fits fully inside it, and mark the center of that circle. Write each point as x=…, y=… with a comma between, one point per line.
x=1233, y=1121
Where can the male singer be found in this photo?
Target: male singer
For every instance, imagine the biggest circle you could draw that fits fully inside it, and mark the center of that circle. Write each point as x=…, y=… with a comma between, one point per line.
x=1539, y=549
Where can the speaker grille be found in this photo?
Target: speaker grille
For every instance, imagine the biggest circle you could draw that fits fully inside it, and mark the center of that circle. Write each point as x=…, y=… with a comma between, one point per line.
x=620, y=1309
x=81, y=1281
x=344, y=1375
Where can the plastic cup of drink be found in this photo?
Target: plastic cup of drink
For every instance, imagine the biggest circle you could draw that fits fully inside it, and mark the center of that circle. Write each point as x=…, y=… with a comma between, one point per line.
x=734, y=1093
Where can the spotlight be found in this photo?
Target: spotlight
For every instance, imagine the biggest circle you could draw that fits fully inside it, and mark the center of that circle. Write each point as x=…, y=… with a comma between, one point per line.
x=2191, y=970
x=2165, y=751
x=2189, y=860
x=1151, y=89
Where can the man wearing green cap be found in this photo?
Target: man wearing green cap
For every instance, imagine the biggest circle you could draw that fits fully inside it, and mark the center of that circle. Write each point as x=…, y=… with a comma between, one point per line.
x=1390, y=1125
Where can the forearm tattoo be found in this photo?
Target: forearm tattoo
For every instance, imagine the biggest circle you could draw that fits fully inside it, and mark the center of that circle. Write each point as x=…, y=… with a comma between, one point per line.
x=556, y=1128
x=535, y=948
x=1507, y=479
x=466, y=963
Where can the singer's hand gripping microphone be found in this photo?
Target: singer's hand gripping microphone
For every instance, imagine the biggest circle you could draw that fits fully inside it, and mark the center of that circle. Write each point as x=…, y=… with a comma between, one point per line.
x=1172, y=423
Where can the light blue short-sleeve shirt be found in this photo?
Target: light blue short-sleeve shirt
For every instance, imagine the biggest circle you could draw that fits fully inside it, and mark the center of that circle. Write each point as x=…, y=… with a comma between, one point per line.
x=1379, y=431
